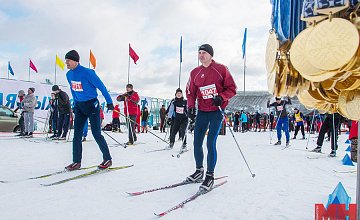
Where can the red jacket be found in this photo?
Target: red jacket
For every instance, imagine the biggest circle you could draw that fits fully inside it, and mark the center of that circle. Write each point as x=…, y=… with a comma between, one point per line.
x=116, y=112
x=130, y=102
x=206, y=82
x=353, y=130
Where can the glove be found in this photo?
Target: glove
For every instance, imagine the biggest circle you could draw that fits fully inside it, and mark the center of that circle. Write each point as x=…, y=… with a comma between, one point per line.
x=110, y=106
x=168, y=122
x=217, y=100
x=192, y=114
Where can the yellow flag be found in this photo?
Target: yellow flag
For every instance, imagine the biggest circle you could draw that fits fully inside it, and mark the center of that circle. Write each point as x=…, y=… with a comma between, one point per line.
x=60, y=63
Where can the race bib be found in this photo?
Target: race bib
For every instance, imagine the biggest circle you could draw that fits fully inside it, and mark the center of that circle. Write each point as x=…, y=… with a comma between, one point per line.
x=179, y=110
x=76, y=86
x=280, y=108
x=208, y=92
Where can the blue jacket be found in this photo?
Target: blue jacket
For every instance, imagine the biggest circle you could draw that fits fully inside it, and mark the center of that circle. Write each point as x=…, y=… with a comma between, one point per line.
x=83, y=84
x=243, y=118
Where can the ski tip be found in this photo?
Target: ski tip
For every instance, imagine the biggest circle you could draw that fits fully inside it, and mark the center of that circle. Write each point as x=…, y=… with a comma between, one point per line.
x=134, y=193
x=159, y=215
x=3, y=181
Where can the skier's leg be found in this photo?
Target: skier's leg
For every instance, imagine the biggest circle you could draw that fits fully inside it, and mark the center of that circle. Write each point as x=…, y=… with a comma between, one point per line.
x=286, y=129
x=94, y=117
x=201, y=126
x=216, y=119
x=278, y=128
x=79, y=123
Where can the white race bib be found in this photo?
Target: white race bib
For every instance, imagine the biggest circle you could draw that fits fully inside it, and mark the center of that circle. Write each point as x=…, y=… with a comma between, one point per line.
x=208, y=92
x=179, y=110
x=280, y=108
x=76, y=86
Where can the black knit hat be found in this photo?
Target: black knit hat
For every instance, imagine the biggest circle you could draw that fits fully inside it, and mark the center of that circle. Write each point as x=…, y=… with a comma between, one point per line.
x=32, y=89
x=55, y=88
x=277, y=98
x=208, y=48
x=129, y=86
x=73, y=55
x=178, y=90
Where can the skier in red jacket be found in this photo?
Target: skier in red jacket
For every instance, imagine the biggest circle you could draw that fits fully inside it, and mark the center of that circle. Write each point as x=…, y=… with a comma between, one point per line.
x=131, y=100
x=212, y=85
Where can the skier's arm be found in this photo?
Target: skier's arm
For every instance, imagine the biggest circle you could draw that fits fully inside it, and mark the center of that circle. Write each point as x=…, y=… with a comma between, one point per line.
x=95, y=80
x=229, y=86
x=191, y=93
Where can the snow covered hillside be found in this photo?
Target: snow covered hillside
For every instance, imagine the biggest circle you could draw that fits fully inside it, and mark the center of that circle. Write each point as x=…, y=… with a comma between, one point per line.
x=287, y=184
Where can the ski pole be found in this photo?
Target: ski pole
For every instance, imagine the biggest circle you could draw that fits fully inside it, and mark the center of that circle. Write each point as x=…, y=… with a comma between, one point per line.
x=123, y=145
x=237, y=144
x=139, y=125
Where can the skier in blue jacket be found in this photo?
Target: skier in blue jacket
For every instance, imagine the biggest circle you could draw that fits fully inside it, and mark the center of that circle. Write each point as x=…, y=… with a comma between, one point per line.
x=83, y=85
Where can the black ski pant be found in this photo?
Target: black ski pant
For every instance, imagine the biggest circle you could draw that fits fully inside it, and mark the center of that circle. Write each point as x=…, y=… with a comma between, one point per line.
x=63, y=124
x=131, y=128
x=116, y=124
x=178, y=125
x=327, y=127
x=297, y=128
x=162, y=125
x=244, y=126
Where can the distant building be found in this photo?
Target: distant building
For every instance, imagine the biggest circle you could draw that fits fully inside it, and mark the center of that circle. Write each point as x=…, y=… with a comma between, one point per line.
x=256, y=101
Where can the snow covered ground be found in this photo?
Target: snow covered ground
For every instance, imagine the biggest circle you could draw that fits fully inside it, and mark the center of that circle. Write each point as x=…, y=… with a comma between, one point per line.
x=287, y=184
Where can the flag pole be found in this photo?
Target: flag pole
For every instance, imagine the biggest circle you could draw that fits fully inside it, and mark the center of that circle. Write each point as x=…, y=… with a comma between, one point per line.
x=244, y=71
x=128, y=81
x=180, y=60
x=55, y=70
x=179, y=74
x=29, y=69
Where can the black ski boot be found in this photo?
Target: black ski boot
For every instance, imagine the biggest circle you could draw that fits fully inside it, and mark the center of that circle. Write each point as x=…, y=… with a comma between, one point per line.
x=287, y=143
x=197, y=176
x=183, y=147
x=208, y=182
x=171, y=145
x=317, y=149
x=278, y=143
x=332, y=154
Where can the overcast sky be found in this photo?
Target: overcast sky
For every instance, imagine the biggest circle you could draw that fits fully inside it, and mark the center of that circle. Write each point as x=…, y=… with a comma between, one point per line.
x=40, y=29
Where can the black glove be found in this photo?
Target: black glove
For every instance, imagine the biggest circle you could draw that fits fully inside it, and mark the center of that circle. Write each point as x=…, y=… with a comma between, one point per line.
x=217, y=100
x=192, y=114
x=110, y=106
x=168, y=121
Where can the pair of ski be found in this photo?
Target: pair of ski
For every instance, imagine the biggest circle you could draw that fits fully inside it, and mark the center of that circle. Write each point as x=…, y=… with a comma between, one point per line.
x=200, y=192
x=87, y=174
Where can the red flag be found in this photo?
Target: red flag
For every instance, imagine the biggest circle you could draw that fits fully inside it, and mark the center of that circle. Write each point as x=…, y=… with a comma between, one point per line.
x=133, y=55
x=32, y=66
